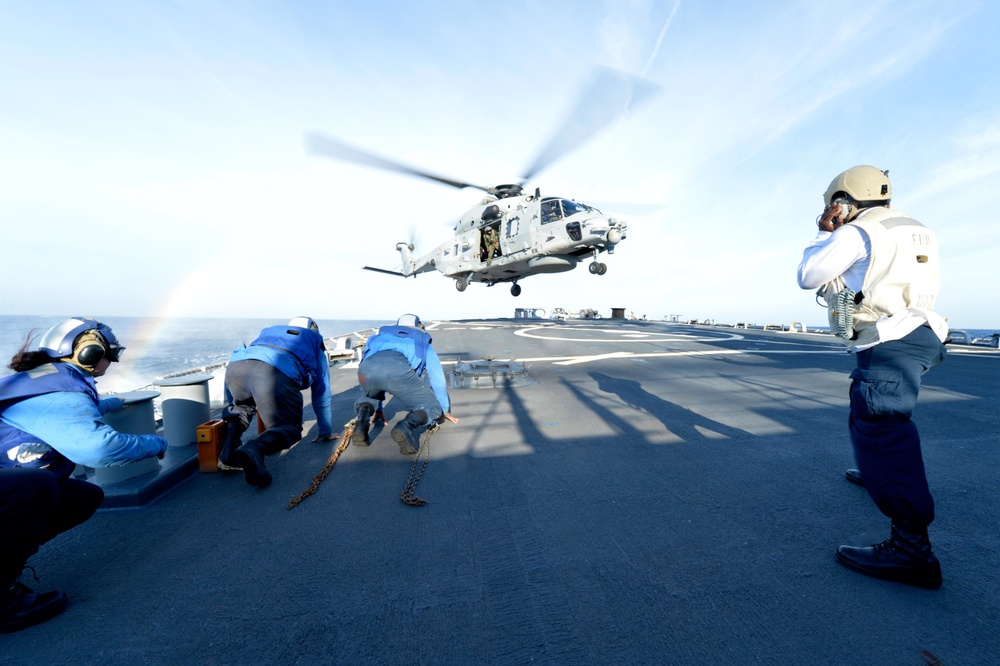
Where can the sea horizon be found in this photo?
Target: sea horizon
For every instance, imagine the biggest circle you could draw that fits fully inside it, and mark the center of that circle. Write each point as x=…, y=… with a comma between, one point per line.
x=160, y=346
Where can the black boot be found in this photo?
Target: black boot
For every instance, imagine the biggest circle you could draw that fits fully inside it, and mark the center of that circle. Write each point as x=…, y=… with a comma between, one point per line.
x=406, y=432
x=904, y=557
x=251, y=459
x=20, y=607
x=362, y=424
x=230, y=443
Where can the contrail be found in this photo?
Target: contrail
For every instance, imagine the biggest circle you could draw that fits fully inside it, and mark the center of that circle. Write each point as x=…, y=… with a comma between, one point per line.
x=659, y=40
x=652, y=55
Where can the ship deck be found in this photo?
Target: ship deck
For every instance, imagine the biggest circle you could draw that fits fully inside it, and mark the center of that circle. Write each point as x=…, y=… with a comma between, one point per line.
x=655, y=494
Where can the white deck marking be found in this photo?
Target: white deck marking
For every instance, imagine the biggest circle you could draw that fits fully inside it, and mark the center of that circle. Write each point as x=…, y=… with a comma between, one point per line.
x=622, y=336
x=639, y=336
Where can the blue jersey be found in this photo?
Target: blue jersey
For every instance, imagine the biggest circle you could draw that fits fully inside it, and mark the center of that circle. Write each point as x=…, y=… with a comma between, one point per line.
x=298, y=353
x=52, y=417
x=415, y=345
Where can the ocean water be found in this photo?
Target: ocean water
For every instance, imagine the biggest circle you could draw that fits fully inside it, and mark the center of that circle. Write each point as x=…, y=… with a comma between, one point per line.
x=155, y=347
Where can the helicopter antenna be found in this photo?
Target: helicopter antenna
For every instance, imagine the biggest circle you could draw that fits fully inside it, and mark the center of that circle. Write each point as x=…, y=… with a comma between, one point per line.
x=610, y=94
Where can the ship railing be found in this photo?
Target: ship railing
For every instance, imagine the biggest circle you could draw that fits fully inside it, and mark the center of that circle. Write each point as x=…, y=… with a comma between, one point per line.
x=957, y=336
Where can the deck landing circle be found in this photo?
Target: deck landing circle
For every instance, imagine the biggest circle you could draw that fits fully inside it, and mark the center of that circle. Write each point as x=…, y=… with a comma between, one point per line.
x=618, y=335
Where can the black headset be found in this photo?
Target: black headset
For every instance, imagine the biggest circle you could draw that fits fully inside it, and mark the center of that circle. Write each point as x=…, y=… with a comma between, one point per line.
x=91, y=352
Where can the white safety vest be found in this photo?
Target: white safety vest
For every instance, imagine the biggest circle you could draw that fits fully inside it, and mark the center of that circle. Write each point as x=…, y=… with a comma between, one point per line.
x=904, y=272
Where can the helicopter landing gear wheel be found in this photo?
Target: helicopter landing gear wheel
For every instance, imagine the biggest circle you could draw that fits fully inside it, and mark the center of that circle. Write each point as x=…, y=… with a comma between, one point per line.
x=515, y=290
x=461, y=283
x=601, y=268
x=593, y=268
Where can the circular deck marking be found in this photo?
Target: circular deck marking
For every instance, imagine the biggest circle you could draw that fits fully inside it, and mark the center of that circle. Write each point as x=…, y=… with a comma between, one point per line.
x=562, y=334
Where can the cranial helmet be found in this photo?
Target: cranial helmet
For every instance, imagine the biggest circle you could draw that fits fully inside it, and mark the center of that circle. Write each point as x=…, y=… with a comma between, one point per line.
x=411, y=320
x=866, y=186
x=304, y=322
x=82, y=341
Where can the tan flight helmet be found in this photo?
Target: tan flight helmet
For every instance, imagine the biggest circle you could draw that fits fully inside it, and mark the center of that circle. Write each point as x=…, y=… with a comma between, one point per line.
x=863, y=186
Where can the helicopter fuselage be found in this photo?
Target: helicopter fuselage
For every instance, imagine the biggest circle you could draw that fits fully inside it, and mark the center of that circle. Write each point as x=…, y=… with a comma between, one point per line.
x=536, y=235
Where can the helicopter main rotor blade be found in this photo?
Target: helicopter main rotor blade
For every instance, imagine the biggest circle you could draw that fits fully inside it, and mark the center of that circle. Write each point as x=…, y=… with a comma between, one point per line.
x=610, y=94
x=626, y=208
x=317, y=144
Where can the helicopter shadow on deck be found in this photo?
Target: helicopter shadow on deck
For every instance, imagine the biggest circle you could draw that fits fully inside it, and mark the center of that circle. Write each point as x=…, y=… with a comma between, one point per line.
x=681, y=421
x=677, y=419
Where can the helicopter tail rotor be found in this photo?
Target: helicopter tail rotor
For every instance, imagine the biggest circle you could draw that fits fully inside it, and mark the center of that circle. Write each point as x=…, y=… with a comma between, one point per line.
x=406, y=254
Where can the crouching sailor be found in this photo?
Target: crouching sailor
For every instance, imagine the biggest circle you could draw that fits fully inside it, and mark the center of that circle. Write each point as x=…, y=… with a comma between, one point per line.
x=267, y=379
x=400, y=360
x=51, y=419
x=878, y=273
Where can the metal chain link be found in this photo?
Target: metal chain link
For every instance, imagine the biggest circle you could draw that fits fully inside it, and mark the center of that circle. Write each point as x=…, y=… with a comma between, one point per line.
x=345, y=439
x=409, y=494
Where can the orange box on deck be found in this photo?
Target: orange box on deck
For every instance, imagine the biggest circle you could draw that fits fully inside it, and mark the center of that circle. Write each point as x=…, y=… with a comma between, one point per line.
x=210, y=436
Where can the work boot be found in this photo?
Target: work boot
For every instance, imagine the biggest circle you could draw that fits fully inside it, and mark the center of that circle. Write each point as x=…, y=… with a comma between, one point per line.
x=229, y=446
x=362, y=424
x=250, y=457
x=854, y=476
x=406, y=432
x=904, y=557
x=20, y=607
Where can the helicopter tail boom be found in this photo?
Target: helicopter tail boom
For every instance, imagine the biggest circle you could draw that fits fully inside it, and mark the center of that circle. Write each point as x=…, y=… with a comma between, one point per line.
x=383, y=270
x=410, y=266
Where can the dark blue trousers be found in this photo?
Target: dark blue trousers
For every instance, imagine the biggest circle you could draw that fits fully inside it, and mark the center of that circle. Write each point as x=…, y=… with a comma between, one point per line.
x=36, y=505
x=884, y=392
x=255, y=387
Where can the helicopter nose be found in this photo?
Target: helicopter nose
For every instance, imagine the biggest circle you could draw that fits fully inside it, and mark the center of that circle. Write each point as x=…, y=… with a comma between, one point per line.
x=614, y=237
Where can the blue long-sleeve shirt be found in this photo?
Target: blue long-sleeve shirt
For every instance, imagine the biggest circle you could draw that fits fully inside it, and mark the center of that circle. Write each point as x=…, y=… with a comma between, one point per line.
x=73, y=424
x=415, y=345
x=301, y=357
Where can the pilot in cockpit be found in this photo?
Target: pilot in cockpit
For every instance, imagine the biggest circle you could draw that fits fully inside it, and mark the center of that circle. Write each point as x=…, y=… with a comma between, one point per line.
x=551, y=212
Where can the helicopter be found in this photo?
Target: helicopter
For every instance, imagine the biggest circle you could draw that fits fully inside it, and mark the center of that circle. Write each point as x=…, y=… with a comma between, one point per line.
x=531, y=234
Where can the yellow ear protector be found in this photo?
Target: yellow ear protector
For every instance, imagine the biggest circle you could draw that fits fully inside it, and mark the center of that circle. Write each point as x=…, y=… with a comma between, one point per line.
x=88, y=350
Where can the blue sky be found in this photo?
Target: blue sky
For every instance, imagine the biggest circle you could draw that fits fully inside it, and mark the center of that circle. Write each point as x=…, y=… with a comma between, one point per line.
x=152, y=159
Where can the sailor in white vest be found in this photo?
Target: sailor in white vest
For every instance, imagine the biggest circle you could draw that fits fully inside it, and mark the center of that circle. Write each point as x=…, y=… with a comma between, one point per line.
x=878, y=272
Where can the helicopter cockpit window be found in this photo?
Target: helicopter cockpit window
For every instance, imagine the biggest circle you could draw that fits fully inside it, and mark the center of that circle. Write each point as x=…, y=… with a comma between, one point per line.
x=551, y=212
x=572, y=208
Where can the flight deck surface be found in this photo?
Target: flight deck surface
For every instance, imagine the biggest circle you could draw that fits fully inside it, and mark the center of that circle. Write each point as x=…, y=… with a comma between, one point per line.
x=653, y=494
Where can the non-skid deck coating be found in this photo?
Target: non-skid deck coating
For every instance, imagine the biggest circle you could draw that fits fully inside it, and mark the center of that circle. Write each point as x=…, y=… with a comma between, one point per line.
x=658, y=494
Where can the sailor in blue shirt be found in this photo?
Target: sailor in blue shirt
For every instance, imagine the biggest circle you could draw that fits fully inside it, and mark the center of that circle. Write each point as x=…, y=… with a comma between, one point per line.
x=51, y=419
x=267, y=379
x=400, y=360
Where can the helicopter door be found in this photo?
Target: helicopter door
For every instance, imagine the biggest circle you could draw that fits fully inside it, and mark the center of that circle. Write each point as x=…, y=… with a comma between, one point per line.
x=489, y=242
